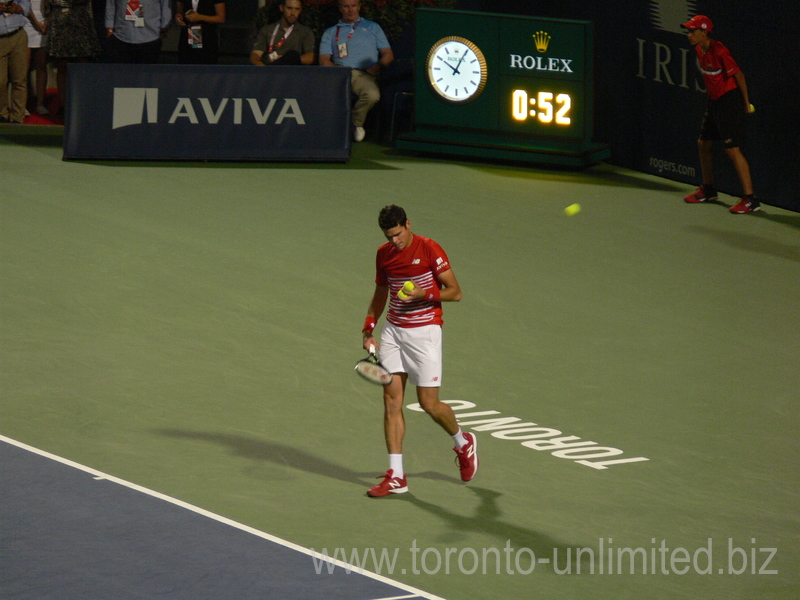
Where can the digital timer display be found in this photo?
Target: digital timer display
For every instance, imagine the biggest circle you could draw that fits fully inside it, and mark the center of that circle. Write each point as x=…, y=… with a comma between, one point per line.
x=540, y=105
x=550, y=107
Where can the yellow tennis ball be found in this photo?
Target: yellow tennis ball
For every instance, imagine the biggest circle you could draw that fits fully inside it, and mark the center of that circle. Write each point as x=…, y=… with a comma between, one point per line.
x=402, y=295
x=572, y=209
x=752, y=108
x=408, y=286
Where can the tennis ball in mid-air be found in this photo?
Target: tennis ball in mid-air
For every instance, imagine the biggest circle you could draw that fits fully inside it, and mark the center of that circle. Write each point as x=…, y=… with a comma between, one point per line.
x=572, y=209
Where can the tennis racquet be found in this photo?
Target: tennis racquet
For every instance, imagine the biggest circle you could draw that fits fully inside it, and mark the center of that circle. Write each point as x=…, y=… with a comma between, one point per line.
x=372, y=370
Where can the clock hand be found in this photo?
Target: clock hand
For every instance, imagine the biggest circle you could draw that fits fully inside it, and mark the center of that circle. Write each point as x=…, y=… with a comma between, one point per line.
x=448, y=64
x=456, y=71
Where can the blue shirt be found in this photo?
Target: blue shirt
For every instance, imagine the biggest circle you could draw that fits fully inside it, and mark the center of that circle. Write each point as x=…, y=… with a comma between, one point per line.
x=362, y=47
x=9, y=22
x=157, y=16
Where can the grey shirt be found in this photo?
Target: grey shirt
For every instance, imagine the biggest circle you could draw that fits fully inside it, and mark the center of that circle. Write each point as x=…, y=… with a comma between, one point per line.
x=300, y=39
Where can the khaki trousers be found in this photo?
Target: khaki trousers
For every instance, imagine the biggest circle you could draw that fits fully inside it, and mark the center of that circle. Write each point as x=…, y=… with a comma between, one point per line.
x=365, y=88
x=14, y=69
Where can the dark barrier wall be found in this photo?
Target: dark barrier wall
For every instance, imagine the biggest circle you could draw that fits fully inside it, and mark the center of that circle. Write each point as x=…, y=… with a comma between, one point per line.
x=184, y=112
x=647, y=103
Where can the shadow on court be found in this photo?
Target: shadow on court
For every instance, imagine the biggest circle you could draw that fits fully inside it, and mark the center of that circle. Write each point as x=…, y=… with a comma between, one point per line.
x=34, y=140
x=280, y=454
x=751, y=243
x=789, y=220
x=487, y=518
x=284, y=455
x=355, y=163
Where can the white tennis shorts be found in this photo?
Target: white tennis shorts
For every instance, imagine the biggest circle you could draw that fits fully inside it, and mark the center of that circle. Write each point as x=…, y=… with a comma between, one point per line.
x=416, y=351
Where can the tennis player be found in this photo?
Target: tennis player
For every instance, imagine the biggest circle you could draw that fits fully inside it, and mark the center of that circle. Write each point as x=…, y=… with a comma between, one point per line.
x=411, y=340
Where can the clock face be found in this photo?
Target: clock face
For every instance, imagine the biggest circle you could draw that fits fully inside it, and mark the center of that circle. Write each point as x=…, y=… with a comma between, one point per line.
x=456, y=69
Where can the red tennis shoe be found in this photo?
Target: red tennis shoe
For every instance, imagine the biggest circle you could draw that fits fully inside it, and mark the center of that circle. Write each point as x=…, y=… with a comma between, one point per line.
x=467, y=457
x=389, y=485
x=702, y=194
x=747, y=205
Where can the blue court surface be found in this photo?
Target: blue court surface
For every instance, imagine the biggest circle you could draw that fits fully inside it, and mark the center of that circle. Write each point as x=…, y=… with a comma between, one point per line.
x=70, y=532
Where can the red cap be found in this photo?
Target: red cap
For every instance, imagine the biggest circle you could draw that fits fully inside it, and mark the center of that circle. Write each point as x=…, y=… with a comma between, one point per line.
x=699, y=22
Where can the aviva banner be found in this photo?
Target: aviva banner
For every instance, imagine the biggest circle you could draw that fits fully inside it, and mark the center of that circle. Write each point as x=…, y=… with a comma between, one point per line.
x=182, y=112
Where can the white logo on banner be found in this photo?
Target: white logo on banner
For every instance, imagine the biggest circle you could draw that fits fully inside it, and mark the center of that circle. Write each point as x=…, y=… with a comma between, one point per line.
x=669, y=14
x=130, y=105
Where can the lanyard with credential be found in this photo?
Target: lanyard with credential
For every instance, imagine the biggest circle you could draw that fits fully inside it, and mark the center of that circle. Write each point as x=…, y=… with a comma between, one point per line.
x=195, y=30
x=282, y=41
x=352, y=30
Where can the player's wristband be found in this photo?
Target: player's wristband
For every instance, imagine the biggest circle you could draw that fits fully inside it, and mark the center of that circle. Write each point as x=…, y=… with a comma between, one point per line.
x=369, y=325
x=433, y=294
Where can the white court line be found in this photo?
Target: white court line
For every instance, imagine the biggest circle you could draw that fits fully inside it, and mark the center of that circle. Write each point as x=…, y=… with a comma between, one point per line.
x=98, y=475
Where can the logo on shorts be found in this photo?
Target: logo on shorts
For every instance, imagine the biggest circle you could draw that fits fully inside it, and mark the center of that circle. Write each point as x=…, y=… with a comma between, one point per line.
x=415, y=261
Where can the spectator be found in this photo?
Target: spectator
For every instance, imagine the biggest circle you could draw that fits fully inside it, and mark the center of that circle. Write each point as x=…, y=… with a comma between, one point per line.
x=198, y=43
x=284, y=42
x=135, y=29
x=99, y=14
x=14, y=60
x=70, y=38
x=37, y=54
x=361, y=45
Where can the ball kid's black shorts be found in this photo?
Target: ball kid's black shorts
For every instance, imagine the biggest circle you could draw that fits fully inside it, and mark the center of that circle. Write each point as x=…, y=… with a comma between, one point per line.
x=725, y=119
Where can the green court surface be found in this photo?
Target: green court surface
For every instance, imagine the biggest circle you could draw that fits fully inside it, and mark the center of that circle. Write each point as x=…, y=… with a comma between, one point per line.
x=192, y=328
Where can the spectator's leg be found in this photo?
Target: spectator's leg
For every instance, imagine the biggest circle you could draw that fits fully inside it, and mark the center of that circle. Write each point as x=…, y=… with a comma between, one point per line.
x=18, y=75
x=365, y=88
x=4, y=52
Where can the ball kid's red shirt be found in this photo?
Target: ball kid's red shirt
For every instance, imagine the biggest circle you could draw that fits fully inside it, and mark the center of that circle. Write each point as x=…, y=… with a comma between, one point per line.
x=421, y=263
x=718, y=68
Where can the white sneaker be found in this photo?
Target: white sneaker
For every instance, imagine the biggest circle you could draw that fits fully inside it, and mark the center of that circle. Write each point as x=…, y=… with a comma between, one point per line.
x=42, y=110
x=359, y=133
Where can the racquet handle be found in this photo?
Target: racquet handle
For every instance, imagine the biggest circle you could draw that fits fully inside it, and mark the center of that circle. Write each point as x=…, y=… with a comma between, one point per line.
x=372, y=348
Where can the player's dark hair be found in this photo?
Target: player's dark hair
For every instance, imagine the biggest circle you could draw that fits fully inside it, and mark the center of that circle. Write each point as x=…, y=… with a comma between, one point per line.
x=392, y=216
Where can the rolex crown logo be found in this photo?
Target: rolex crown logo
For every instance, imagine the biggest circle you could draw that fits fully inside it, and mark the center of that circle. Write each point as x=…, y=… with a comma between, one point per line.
x=542, y=40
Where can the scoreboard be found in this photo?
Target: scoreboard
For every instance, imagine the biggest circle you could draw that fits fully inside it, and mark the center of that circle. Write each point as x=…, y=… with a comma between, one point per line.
x=503, y=87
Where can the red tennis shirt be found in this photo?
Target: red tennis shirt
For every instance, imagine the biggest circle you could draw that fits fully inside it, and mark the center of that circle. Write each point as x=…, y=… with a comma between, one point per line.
x=421, y=263
x=718, y=68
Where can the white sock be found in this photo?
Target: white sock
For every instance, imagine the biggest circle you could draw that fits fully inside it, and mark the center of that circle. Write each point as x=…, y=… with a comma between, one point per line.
x=459, y=439
x=396, y=465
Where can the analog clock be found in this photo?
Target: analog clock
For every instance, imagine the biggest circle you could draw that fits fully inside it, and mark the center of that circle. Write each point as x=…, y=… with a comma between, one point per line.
x=456, y=69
